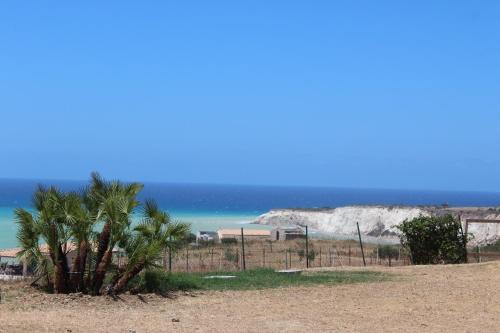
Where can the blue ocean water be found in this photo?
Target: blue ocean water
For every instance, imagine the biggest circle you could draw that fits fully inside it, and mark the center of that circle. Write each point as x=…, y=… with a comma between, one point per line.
x=210, y=207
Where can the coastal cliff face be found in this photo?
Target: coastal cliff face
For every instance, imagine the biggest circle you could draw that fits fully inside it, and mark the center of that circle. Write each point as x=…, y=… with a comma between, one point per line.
x=378, y=221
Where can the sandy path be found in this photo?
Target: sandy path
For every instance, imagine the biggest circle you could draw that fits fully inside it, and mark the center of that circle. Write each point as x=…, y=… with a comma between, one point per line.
x=464, y=298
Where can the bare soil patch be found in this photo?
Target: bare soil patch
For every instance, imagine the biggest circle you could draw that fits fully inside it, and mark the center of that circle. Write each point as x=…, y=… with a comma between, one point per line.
x=460, y=298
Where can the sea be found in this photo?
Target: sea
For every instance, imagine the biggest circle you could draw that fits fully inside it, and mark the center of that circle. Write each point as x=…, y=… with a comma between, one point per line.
x=211, y=206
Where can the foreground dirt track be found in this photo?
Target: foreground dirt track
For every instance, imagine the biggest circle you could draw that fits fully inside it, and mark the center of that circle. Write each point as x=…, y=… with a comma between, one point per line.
x=463, y=298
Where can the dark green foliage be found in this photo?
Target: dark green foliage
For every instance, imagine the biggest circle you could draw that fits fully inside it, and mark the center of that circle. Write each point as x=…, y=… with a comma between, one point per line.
x=158, y=281
x=228, y=241
x=302, y=254
x=434, y=240
x=388, y=251
x=231, y=255
x=190, y=238
x=93, y=222
x=206, y=243
x=494, y=247
x=161, y=282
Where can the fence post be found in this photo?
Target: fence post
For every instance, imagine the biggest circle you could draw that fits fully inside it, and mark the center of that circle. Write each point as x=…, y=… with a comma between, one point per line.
x=478, y=253
x=170, y=258
x=187, y=258
x=264, y=257
x=307, y=247
x=320, y=263
x=238, y=256
x=349, y=254
x=243, y=250
x=220, y=260
x=361, y=245
x=170, y=253
x=211, y=258
x=290, y=254
x=286, y=259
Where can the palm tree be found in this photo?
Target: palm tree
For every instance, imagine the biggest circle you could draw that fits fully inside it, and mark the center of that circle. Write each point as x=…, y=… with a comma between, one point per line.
x=81, y=223
x=113, y=202
x=48, y=225
x=145, y=245
x=61, y=218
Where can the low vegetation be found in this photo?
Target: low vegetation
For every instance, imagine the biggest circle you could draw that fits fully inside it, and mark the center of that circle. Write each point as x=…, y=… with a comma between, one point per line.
x=434, y=240
x=159, y=281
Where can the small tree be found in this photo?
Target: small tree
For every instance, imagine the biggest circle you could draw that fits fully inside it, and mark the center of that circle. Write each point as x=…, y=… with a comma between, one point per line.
x=434, y=240
x=387, y=252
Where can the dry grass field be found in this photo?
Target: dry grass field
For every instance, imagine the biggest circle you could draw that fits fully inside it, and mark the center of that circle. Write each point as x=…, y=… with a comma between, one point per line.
x=461, y=298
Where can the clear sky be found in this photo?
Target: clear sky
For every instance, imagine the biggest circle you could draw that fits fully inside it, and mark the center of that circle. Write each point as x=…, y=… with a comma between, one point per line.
x=384, y=94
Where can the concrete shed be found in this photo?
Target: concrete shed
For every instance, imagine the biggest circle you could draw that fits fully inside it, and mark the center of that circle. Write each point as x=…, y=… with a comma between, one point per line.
x=289, y=232
x=248, y=234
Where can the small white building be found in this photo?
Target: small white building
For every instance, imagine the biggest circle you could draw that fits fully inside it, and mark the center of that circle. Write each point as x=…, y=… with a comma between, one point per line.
x=248, y=234
x=287, y=232
x=207, y=236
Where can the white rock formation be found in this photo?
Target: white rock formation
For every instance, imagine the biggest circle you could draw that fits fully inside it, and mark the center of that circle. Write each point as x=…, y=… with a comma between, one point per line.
x=377, y=221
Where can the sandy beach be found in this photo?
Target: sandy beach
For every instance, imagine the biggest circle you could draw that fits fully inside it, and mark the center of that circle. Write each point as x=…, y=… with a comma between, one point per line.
x=461, y=298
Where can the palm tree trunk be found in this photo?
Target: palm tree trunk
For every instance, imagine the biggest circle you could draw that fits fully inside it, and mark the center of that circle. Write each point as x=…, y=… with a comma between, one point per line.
x=126, y=277
x=104, y=238
x=103, y=257
x=83, y=263
x=100, y=271
x=78, y=268
x=61, y=273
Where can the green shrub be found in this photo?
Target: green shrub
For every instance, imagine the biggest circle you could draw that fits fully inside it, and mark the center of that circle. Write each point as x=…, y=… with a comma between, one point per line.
x=493, y=247
x=206, y=243
x=231, y=255
x=434, y=240
x=189, y=238
x=228, y=241
x=387, y=251
x=302, y=254
x=161, y=282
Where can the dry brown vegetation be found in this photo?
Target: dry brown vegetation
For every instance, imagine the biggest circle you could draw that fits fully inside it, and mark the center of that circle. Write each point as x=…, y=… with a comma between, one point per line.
x=460, y=298
x=277, y=255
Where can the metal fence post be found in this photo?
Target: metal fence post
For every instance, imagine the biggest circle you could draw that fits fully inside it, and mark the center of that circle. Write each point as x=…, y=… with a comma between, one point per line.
x=243, y=250
x=170, y=254
x=307, y=247
x=361, y=245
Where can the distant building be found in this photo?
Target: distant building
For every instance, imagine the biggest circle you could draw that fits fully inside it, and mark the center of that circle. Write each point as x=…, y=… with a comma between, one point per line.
x=207, y=236
x=8, y=258
x=248, y=234
x=283, y=233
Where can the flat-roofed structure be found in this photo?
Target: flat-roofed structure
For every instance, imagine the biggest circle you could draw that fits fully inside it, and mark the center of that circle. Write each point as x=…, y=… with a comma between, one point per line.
x=287, y=232
x=248, y=234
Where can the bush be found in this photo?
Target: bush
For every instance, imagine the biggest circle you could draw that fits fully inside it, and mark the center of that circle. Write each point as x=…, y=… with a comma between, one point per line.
x=189, y=238
x=228, y=241
x=231, y=256
x=434, y=240
x=161, y=282
x=302, y=254
x=387, y=251
x=493, y=247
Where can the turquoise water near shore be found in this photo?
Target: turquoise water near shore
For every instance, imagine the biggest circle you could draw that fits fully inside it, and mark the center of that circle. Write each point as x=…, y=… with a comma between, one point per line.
x=198, y=220
x=210, y=207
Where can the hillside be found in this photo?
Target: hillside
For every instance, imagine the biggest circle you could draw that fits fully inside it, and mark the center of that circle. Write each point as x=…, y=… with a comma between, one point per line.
x=379, y=221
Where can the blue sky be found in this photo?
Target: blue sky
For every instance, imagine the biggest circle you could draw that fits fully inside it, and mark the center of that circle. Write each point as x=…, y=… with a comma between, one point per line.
x=384, y=94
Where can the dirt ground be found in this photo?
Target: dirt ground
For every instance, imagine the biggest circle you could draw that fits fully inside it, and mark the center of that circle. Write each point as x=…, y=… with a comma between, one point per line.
x=462, y=298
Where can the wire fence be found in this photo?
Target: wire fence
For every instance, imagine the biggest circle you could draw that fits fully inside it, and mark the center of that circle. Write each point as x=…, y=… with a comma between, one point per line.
x=278, y=255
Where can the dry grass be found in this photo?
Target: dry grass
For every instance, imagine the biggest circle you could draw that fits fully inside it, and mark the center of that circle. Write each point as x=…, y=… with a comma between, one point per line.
x=461, y=298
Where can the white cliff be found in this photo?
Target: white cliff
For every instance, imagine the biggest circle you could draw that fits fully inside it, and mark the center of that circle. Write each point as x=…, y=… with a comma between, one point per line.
x=377, y=221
